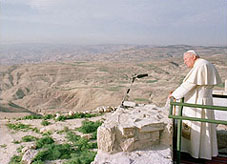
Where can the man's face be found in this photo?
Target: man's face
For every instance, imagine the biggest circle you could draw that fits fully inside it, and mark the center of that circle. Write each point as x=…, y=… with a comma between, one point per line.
x=189, y=59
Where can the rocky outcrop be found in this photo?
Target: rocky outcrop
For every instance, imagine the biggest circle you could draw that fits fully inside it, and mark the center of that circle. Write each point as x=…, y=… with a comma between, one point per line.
x=104, y=109
x=138, y=128
x=132, y=129
x=158, y=154
x=28, y=156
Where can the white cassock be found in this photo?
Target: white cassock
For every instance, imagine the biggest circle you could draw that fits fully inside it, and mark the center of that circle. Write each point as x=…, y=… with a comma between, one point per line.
x=197, y=89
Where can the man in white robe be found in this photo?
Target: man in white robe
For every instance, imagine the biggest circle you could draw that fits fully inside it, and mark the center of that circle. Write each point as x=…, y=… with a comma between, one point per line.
x=197, y=89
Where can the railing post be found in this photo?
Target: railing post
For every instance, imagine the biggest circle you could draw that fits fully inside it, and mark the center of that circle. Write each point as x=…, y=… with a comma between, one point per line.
x=179, y=129
x=174, y=138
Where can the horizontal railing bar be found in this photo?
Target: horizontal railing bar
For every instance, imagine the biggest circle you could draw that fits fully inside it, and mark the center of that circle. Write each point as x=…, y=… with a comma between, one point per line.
x=198, y=119
x=199, y=106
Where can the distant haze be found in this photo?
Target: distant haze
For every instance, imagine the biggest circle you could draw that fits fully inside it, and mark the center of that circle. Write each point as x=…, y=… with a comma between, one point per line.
x=156, y=22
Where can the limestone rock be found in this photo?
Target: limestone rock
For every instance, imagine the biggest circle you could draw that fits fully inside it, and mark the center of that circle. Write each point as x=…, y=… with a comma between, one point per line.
x=99, y=110
x=57, y=116
x=129, y=104
x=133, y=129
x=43, y=130
x=159, y=154
x=28, y=156
x=71, y=113
x=108, y=109
x=86, y=112
x=26, y=148
x=167, y=134
x=106, y=139
x=105, y=109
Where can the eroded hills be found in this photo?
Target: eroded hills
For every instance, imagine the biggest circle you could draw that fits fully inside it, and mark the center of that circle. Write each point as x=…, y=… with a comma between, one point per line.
x=79, y=79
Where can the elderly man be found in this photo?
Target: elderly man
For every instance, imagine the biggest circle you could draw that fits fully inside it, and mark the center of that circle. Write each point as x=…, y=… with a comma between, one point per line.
x=201, y=142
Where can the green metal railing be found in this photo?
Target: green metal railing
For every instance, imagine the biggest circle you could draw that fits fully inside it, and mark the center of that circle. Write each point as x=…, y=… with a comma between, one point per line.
x=179, y=117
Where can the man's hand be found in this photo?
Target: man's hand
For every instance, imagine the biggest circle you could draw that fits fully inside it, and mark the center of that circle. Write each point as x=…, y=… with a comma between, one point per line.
x=170, y=95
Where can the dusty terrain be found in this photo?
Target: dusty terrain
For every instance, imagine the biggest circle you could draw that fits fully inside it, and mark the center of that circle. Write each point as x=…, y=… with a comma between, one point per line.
x=11, y=141
x=84, y=85
x=63, y=82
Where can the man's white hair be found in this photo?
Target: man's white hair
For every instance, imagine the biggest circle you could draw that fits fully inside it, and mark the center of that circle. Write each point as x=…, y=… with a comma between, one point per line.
x=192, y=52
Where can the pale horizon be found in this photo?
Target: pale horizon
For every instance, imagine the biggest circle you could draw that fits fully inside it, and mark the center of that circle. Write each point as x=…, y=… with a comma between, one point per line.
x=94, y=22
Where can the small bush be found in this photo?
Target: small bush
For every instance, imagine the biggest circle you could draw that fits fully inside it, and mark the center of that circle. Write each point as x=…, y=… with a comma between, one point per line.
x=45, y=123
x=28, y=138
x=19, y=149
x=65, y=130
x=18, y=126
x=84, y=157
x=31, y=117
x=44, y=141
x=35, y=130
x=3, y=146
x=48, y=116
x=80, y=143
x=72, y=137
x=53, y=152
x=15, y=159
x=89, y=126
x=76, y=115
x=16, y=142
x=82, y=115
x=83, y=144
x=94, y=135
x=48, y=133
x=93, y=145
x=61, y=118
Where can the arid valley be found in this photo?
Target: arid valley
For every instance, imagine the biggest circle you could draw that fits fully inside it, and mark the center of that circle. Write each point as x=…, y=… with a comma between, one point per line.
x=62, y=79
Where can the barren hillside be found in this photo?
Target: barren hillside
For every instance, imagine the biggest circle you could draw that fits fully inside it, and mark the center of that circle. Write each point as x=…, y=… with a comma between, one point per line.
x=99, y=80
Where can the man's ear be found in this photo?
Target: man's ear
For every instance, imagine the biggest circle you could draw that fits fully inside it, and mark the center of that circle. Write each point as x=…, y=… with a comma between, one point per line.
x=194, y=57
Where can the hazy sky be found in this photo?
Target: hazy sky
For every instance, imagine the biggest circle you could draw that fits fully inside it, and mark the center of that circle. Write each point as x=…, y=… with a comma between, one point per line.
x=195, y=22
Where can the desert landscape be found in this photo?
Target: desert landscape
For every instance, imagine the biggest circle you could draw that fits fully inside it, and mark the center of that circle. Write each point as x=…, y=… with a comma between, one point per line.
x=49, y=83
x=44, y=80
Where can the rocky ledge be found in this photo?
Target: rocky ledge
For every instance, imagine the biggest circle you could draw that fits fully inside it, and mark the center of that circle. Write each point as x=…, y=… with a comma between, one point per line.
x=135, y=133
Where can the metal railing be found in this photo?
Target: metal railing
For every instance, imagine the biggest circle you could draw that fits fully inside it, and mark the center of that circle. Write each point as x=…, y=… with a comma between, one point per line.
x=179, y=117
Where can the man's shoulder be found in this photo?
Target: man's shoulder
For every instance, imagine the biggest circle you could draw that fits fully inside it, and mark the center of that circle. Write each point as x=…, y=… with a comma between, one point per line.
x=201, y=62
